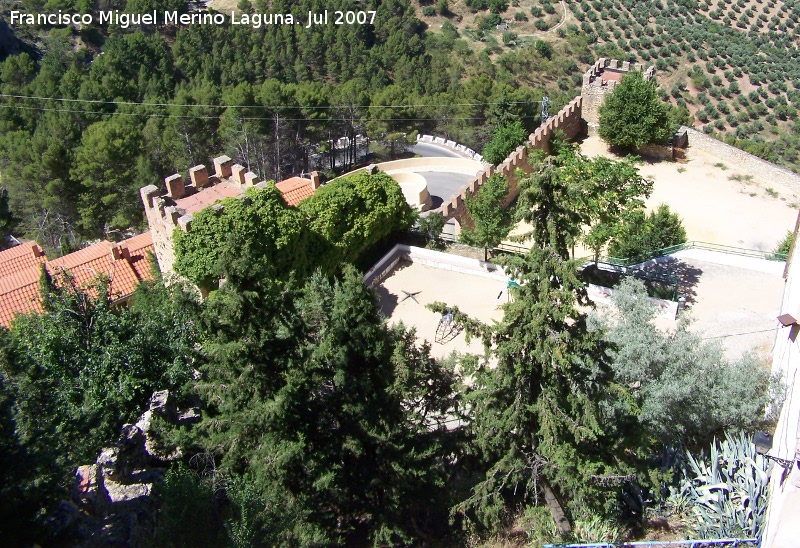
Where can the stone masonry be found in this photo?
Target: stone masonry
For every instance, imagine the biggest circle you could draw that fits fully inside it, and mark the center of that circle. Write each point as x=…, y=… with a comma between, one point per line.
x=600, y=80
x=574, y=119
x=173, y=206
x=568, y=120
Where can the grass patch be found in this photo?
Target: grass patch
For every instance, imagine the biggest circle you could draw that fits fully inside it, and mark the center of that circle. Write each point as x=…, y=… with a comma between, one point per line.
x=720, y=165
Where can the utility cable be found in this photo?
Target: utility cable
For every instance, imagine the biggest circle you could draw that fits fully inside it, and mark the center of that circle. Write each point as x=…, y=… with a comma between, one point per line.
x=208, y=117
x=321, y=107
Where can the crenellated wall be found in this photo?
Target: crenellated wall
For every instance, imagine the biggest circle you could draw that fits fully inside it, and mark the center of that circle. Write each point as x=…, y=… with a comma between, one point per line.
x=172, y=207
x=600, y=80
x=568, y=120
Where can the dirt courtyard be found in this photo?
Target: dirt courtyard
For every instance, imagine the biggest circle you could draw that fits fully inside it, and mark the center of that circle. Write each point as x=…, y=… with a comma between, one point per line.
x=744, y=211
x=734, y=304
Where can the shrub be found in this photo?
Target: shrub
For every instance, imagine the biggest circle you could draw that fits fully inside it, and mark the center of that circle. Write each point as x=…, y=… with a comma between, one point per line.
x=429, y=11
x=545, y=50
x=640, y=234
x=504, y=140
x=498, y=6
x=785, y=244
x=509, y=37
x=727, y=491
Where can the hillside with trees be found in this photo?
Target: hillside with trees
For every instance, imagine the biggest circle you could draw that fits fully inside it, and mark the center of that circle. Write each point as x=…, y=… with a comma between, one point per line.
x=131, y=106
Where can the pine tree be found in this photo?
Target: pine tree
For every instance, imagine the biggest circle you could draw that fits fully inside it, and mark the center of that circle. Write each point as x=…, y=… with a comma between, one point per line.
x=491, y=219
x=537, y=416
x=545, y=420
x=334, y=421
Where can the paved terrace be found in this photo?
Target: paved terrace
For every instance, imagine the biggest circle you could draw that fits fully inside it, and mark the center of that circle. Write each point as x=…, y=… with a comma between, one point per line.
x=734, y=300
x=473, y=286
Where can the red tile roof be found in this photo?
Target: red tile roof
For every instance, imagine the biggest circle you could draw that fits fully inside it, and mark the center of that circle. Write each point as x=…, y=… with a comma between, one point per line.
x=611, y=75
x=19, y=292
x=295, y=189
x=20, y=257
x=126, y=265
x=208, y=196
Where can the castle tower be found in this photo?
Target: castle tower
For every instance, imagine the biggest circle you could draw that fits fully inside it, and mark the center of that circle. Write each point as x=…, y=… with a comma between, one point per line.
x=173, y=206
x=600, y=80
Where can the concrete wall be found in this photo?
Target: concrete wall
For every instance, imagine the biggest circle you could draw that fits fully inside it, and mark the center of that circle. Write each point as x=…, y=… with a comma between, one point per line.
x=435, y=259
x=568, y=120
x=665, y=309
x=450, y=145
x=783, y=527
x=415, y=190
x=444, y=165
x=742, y=160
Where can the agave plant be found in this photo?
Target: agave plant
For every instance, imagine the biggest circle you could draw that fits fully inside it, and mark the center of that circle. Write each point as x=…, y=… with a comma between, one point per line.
x=727, y=491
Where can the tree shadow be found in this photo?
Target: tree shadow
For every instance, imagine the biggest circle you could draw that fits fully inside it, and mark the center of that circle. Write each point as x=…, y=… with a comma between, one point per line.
x=688, y=276
x=387, y=301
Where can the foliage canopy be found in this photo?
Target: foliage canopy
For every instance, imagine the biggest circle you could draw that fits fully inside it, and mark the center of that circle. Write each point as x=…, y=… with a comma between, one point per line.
x=633, y=116
x=504, y=140
x=261, y=237
x=491, y=218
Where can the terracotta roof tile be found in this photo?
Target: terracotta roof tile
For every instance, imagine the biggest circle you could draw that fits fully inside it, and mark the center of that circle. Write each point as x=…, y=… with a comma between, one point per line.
x=140, y=249
x=295, y=190
x=21, y=257
x=611, y=75
x=208, y=196
x=138, y=243
x=19, y=290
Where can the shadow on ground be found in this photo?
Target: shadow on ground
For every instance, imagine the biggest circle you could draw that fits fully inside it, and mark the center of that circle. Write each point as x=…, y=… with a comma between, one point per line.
x=688, y=276
x=388, y=301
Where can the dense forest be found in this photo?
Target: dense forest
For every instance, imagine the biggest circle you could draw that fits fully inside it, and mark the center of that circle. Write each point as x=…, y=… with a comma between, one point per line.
x=318, y=424
x=133, y=105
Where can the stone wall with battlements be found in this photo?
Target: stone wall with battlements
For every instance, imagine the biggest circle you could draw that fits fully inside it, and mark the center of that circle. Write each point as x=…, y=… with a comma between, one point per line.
x=172, y=206
x=568, y=120
x=600, y=80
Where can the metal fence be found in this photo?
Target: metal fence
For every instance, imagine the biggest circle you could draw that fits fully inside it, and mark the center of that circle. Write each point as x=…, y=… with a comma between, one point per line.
x=707, y=246
x=622, y=265
x=725, y=542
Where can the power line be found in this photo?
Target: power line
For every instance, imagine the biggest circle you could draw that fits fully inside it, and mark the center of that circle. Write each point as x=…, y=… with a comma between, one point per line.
x=207, y=117
x=739, y=334
x=322, y=107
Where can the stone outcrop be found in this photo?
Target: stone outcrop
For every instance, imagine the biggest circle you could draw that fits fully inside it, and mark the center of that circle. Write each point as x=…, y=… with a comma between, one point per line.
x=111, y=499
